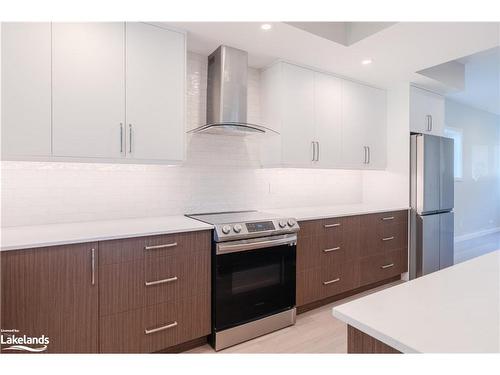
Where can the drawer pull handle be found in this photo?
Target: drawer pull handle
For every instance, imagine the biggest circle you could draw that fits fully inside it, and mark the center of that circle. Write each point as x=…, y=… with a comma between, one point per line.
x=388, y=218
x=333, y=225
x=161, y=246
x=93, y=265
x=388, y=238
x=164, y=281
x=154, y=330
x=331, y=281
x=387, y=266
x=332, y=249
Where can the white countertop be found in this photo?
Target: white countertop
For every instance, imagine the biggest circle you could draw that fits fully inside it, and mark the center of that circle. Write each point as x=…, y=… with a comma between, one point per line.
x=455, y=310
x=25, y=237
x=323, y=212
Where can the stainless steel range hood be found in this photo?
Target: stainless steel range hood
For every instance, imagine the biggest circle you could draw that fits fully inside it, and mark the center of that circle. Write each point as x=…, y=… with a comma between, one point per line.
x=227, y=95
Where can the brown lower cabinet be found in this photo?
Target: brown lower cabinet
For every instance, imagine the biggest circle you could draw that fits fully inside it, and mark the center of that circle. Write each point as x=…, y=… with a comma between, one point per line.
x=52, y=291
x=136, y=295
x=148, y=294
x=154, y=292
x=338, y=255
x=154, y=328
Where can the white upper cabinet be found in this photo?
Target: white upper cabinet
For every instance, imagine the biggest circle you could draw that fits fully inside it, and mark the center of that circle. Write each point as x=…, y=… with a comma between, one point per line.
x=426, y=112
x=363, y=126
x=93, y=91
x=297, y=128
x=26, y=90
x=155, y=80
x=327, y=120
x=324, y=121
x=88, y=89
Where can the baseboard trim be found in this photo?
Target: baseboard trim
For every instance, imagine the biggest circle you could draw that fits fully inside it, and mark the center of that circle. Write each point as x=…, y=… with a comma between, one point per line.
x=185, y=346
x=470, y=236
x=314, y=305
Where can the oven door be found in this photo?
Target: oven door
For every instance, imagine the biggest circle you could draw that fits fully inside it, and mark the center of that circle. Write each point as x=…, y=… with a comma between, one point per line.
x=253, y=279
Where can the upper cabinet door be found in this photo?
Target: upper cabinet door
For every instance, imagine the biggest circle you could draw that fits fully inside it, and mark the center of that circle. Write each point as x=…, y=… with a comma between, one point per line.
x=155, y=86
x=26, y=115
x=354, y=118
x=88, y=89
x=376, y=128
x=327, y=119
x=297, y=129
x=426, y=112
x=363, y=126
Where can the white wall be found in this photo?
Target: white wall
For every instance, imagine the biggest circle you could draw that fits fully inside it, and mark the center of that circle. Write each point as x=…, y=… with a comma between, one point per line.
x=221, y=173
x=477, y=196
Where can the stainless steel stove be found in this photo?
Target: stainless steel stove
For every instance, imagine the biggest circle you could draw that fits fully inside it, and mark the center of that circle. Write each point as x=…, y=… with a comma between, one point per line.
x=253, y=274
x=230, y=226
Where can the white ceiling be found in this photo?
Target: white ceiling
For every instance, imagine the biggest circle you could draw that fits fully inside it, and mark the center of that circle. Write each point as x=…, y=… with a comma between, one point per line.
x=482, y=81
x=397, y=51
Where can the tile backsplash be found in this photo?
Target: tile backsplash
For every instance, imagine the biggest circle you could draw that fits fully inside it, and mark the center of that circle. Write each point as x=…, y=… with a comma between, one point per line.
x=220, y=173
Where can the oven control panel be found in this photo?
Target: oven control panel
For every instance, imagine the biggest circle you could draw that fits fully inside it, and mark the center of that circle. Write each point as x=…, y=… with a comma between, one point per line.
x=236, y=231
x=260, y=226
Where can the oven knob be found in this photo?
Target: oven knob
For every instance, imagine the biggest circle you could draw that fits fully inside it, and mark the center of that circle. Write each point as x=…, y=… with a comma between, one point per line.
x=282, y=223
x=237, y=228
x=226, y=229
x=291, y=222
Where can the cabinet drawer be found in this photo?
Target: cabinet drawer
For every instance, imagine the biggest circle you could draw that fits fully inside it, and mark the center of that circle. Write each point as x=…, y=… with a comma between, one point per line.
x=136, y=284
x=330, y=226
x=335, y=239
x=381, y=235
x=126, y=250
x=380, y=267
x=316, y=252
x=389, y=217
x=337, y=278
x=156, y=327
x=319, y=283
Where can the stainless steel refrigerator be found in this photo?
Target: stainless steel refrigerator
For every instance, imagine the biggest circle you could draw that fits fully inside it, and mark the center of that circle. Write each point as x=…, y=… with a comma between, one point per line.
x=432, y=196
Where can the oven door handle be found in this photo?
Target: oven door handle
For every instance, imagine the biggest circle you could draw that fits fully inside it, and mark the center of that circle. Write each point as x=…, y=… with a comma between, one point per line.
x=245, y=245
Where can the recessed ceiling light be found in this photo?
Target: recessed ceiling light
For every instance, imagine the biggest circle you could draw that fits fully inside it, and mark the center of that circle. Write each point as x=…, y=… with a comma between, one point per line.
x=266, y=26
x=367, y=61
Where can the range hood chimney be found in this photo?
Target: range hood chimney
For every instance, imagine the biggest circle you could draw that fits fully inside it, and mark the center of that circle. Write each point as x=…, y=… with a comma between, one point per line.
x=227, y=95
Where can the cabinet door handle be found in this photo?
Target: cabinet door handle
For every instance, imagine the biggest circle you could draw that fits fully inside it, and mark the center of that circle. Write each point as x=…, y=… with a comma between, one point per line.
x=388, y=218
x=313, y=149
x=369, y=154
x=331, y=281
x=317, y=151
x=92, y=252
x=154, y=330
x=387, y=266
x=364, y=161
x=388, y=238
x=121, y=137
x=130, y=138
x=332, y=225
x=332, y=249
x=164, y=281
x=163, y=246
x=428, y=119
x=432, y=123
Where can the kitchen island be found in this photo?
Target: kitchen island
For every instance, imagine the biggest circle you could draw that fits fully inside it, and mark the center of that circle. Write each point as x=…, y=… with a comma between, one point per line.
x=455, y=310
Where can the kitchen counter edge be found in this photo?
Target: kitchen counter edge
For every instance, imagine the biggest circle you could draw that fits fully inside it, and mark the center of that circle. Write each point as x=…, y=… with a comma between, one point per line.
x=114, y=230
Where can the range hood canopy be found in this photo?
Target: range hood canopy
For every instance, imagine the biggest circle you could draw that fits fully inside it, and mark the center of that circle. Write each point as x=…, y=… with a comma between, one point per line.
x=227, y=95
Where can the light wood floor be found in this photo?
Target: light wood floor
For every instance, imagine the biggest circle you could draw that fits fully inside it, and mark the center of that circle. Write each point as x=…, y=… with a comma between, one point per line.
x=465, y=250
x=316, y=331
